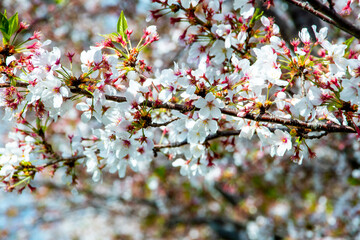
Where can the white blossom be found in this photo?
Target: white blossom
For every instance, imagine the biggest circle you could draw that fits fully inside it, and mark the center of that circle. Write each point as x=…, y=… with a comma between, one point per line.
x=209, y=107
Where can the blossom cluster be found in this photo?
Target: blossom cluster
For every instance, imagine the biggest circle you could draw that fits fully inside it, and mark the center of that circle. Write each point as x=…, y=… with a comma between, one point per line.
x=239, y=79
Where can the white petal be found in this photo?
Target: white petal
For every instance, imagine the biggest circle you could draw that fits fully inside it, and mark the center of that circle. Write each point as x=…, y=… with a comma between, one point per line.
x=84, y=57
x=82, y=106
x=96, y=175
x=122, y=169
x=64, y=91
x=86, y=116
x=178, y=162
x=200, y=103
x=97, y=57
x=58, y=100
x=204, y=113
x=216, y=113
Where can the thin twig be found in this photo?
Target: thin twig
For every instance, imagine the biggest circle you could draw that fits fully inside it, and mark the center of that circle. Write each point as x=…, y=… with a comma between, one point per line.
x=218, y=134
x=67, y=160
x=162, y=124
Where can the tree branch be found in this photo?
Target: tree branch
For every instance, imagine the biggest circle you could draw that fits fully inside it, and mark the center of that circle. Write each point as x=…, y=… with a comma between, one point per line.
x=67, y=160
x=266, y=117
x=162, y=124
x=18, y=84
x=328, y=15
x=310, y=9
x=226, y=133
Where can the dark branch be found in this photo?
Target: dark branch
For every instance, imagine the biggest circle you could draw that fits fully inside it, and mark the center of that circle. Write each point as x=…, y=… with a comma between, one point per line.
x=310, y=9
x=18, y=84
x=328, y=15
x=218, y=134
x=66, y=160
x=163, y=124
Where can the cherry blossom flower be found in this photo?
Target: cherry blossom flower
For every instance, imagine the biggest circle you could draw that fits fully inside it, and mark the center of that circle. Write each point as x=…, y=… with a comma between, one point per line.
x=188, y=3
x=196, y=135
x=198, y=53
x=351, y=91
x=53, y=92
x=248, y=130
x=219, y=51
x=336, y=52
x=305, y=36
x=184, y=170
x=266, y=67
x=48, y=61
x=209, y=125
x=90, y=58
x=281, y=143
x=197, y=150
x=198, y=169
x=10, y=156
x=89, y=108
x=246, y=8
x=225, y=30
x=168, y=80
x=92, y=163
x=321, y=35
x=209, y=107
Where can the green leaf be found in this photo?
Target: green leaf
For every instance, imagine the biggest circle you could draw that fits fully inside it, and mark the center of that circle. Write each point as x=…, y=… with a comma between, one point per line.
x=257, y=15
x=6, y=37
x=13, y=24
x=112, y=36
x=122, y=25
x=13, y=82
x=4, y=23
x=331, y=106
x=349, y=42
x=8, y=26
